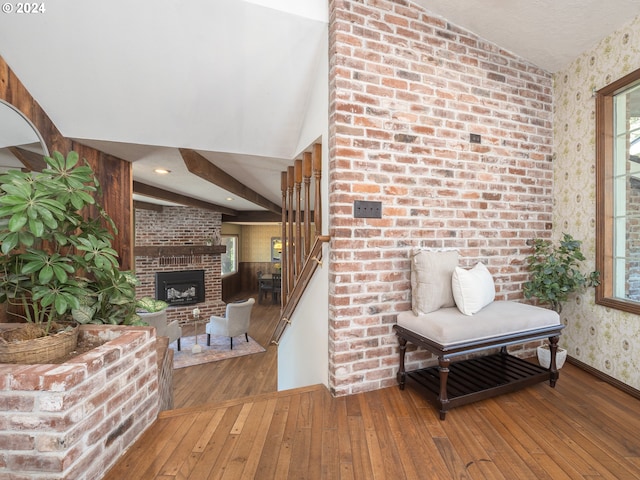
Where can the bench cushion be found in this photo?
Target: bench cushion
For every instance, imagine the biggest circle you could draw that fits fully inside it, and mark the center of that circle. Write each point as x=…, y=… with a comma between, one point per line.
x=448, y=326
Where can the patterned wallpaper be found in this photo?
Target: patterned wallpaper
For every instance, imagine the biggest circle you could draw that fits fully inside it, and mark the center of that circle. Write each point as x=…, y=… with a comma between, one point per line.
x=606, y=339
x=256, y=242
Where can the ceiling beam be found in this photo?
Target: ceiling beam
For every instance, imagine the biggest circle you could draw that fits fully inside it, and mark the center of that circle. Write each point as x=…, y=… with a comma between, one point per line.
x=203, y=168
x=155, y=192
x=139, y=205
x=32, y=161
x=257, y=216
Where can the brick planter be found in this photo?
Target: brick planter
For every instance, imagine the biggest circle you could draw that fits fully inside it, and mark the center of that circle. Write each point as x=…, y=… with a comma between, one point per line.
x=75, y=419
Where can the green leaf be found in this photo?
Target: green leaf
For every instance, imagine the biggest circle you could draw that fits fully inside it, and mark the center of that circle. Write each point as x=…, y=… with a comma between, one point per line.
x=72, y=160
x=13, y=200
x=151, y=304
x=9, y=243
x=61, y=304
x=17, y=222
x=60, y=272
x=46, y=274
x=36, y=227
x=83, y=314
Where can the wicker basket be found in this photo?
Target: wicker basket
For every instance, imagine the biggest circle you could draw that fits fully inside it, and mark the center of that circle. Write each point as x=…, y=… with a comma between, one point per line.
x=40, y=350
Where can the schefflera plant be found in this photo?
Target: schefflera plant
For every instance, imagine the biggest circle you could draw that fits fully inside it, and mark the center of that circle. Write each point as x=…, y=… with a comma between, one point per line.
x=58, y=263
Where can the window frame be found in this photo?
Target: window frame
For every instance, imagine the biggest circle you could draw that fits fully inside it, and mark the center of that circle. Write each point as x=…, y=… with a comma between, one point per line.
x=236, y=261
x=604, y=294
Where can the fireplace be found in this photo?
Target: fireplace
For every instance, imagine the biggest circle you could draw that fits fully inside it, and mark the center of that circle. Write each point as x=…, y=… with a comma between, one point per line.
x=185, y=287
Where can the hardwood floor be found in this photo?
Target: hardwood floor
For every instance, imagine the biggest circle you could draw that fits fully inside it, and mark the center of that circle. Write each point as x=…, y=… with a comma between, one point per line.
x=582, y=429
x=237, y=377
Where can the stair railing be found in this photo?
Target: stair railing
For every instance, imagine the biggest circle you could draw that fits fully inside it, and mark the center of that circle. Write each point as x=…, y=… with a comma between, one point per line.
x=300, y=224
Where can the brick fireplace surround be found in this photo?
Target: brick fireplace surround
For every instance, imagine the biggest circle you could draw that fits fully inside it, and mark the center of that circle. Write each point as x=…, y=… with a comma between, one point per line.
x=179, y=227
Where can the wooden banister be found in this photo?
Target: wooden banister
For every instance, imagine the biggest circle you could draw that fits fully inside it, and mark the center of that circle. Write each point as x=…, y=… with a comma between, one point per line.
x=299, y=259
x=313, y=261
x=317, y=173
x=306, y=173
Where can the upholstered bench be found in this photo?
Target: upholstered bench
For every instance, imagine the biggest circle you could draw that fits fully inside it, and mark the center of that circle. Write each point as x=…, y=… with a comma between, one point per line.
x=474, y=323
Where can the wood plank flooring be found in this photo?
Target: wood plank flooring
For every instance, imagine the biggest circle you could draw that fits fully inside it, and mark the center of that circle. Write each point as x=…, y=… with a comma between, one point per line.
x=236, y=377
x=582, y=429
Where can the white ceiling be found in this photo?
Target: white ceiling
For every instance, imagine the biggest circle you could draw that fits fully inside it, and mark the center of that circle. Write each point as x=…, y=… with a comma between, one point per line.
x=233, y=79
x=549, y=33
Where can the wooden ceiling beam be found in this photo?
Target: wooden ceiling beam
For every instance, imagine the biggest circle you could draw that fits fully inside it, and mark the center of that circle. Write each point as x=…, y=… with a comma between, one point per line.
x=139, y=205
x=203, y=168
x=256, y=216
x=32, y=161
x=155, y=192
x=260, y=216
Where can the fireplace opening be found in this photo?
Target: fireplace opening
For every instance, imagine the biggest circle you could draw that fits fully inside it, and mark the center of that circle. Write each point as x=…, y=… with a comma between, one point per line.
x=185, y=287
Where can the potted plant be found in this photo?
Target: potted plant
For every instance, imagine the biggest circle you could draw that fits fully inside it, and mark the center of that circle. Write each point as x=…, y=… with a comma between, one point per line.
x=147, y=306
x=57, y=262
x=555, y=274
x=154, y=313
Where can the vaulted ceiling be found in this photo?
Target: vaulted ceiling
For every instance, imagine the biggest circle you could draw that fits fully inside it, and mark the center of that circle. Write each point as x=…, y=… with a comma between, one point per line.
x=240, y=82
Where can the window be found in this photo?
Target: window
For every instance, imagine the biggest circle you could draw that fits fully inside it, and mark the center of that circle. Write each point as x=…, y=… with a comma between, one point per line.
x=618, y=193
x=230, y=258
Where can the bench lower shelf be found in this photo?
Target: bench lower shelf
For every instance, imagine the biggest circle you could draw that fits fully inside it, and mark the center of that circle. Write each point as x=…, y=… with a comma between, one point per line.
x=478, y=378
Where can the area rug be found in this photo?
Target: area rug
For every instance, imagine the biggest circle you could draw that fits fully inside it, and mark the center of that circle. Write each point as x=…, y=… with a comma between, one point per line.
x=219, y=350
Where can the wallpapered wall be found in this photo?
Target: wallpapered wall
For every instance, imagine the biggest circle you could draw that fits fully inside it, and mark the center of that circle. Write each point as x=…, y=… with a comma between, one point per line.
x=256, y=242
x=606, y=339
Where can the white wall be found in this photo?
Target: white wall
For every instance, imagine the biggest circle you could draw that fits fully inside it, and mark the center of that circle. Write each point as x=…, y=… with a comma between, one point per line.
x=303, y=350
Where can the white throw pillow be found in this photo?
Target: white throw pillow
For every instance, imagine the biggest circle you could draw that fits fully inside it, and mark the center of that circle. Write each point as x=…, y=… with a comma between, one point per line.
x=431, y=280
x=472, y=289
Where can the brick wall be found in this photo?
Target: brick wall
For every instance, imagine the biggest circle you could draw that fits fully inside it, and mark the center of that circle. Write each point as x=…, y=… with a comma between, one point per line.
x=406, y=91
x=180, y=226
x=74, y=420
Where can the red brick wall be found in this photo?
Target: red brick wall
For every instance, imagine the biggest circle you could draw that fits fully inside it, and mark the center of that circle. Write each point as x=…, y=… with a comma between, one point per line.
x=180, y=226
x=74, y=420
x=406, y=91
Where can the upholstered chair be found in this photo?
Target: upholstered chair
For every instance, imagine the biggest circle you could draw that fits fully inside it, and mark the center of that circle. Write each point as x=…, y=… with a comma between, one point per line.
x=163, y=327
x=235, y=321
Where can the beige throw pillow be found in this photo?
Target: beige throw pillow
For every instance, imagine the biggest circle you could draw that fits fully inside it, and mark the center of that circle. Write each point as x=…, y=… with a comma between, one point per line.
x=473, y=289
x=431, y=273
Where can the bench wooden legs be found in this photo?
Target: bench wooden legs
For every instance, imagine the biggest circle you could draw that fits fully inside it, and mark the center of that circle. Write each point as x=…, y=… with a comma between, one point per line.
x=443, y=398
x=402, y=375
x=553, y=369
x=476, y=378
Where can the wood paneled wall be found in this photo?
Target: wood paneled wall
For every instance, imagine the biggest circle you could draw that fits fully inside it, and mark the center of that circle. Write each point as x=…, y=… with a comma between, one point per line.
x=246, y=280
x=114, y=174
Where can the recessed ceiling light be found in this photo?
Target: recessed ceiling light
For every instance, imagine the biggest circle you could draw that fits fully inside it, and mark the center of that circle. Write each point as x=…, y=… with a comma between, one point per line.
x=229, y=199
x=162, y=171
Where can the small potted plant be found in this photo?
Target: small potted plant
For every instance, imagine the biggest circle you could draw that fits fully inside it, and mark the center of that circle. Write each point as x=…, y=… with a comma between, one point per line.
x=154, y=313
x=57, y=262
x=555, y=274
x=147, y=306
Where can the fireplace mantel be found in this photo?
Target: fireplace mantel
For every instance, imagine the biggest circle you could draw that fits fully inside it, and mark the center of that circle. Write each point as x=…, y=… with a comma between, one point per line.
x=177, y=250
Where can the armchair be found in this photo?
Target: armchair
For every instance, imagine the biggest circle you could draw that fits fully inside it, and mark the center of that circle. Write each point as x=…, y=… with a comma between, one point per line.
x=234, y=323
x=163, y=327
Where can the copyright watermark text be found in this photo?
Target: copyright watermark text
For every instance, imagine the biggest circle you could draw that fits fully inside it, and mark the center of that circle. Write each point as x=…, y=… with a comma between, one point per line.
x=24, y=8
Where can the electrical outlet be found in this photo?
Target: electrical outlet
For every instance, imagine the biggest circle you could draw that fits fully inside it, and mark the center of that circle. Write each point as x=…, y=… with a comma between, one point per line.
x=475, y=138
x=365, y=209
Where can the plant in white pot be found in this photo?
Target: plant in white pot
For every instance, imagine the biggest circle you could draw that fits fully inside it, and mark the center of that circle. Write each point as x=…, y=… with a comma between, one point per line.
x=154, y=313
x=555, y=274
x=148, y=306
x=57, y=261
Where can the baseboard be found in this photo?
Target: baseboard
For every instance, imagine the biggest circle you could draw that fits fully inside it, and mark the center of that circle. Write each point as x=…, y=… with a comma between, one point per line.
x=604, y=377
